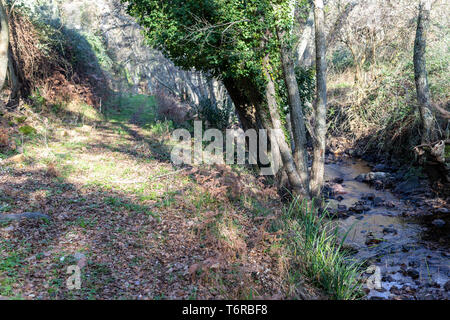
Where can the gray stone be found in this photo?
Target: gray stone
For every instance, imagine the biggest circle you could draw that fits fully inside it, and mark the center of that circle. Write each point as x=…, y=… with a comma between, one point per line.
x=25, y=215
x=380, y=167
x=408, y=186
x=338, y=180
x=377, y=201
x=372, y=176
x=389, y=230
x=438, y=223
x=447, y=286
x=414, y=274
x=442, y=210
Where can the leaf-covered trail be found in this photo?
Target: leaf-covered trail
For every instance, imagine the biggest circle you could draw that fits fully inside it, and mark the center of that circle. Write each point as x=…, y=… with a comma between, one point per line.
x=138, y=227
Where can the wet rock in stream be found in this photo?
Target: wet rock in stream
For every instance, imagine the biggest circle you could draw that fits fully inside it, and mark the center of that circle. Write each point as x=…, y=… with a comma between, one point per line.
x=372, y=176
x=377, y=202
x=447, y=286
x=414, y=274
x=438, y=223
x=409, y=186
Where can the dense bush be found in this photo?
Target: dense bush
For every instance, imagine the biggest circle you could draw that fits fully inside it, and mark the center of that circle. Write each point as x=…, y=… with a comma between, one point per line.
x=341, y=59
x=172, y=108
x=215, y=117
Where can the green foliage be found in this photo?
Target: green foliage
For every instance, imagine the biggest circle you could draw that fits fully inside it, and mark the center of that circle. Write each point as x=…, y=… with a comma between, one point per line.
x=21, y=120
x=217, y=118
x=306, y=78
x=39, y=102
x=27, y=130
x=226, y=39
x=342, y=59
x=123, y=107
x=97, y=46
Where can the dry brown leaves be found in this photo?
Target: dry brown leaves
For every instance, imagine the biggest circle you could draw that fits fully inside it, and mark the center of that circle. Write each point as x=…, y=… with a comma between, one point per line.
x=44, y=67
x=4, y=138
x=225, y=184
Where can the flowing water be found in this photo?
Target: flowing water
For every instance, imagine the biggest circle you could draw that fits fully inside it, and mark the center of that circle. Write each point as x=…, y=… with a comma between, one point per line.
x=411, y=265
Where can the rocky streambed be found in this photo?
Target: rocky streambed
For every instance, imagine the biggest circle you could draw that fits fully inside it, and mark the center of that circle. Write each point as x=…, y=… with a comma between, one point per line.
x=396, y=224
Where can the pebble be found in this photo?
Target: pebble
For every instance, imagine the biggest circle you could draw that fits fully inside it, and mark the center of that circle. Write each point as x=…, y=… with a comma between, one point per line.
x=438, y=223
x=377, y=201
x=413, y=273
x=447, y=286
x=442, y=210
x=338, y=180
x=389, y=230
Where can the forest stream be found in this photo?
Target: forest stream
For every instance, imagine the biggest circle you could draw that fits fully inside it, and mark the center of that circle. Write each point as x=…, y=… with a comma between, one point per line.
x=412, y=255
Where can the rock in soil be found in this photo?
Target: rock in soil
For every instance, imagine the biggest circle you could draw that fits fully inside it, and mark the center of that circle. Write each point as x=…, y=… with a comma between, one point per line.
x=25, y=215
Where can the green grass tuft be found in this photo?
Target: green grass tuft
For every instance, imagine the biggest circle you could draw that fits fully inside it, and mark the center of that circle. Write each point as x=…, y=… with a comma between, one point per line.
x=317, y=254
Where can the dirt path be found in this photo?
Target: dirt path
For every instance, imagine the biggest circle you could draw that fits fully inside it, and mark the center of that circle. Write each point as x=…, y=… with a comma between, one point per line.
x=137, y=227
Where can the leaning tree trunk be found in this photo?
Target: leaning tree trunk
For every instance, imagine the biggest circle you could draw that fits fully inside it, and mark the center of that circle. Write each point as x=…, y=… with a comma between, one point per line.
x=305, y=38
x=285, y=152
x=320, y=104
x=247, y=102
x=4, y=45
x=296, y=114
x=420, y=71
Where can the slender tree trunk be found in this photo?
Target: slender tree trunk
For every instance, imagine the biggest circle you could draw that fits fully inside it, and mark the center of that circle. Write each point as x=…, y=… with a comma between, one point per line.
x=285, y=152
x=212, y=94
x=13, y=78
x=320, y=104
x=296, y=114
x=305, y=38
x=4, y=45
x=420, y=71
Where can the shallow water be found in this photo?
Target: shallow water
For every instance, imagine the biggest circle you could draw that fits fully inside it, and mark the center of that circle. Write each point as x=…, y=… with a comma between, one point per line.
x=402, y=252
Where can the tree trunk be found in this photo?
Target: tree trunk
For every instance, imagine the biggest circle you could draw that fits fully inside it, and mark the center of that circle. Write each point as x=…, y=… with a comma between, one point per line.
x=305, y=39
x=242, y=104
x=296, y=114
x=320, y=104
x=4, y=45
x=13, y=78
x=285, y=152
x=420, y=71
x=247, y=102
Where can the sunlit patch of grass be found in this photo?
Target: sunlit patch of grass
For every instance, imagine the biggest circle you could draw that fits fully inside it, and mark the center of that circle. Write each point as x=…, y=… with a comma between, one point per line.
x=83, y=111
x=123, y=107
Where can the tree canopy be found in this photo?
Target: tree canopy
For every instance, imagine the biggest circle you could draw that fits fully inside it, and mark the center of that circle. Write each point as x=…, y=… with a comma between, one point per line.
x=221, y=37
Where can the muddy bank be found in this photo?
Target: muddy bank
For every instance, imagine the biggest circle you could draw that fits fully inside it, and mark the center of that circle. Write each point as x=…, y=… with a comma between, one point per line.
x=396, y=223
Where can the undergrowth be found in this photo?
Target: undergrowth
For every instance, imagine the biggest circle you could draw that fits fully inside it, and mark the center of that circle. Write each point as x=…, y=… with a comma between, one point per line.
x=316, y=249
